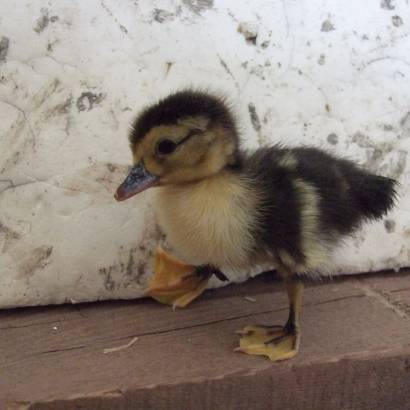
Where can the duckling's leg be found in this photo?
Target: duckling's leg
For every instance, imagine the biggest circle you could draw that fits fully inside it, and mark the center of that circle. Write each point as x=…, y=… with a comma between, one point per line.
x=176, y=283
x=195, y=283
x=276, y=342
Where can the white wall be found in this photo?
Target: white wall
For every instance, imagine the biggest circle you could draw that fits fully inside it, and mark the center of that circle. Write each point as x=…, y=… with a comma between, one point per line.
x=74, y=73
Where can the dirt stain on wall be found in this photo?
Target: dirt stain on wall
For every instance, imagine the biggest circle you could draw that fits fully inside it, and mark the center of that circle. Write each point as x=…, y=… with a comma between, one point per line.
x=108, y=281
x=37, y=259
x=332, y=138
x=161, y=16
x=381, y=157
x=8, y=236
x=389, y=225
x=327, y=26
x=4, y=48
x=387, y=4
x=87, y=100
x=198, y=6
x=254, y=117
x=44, y=20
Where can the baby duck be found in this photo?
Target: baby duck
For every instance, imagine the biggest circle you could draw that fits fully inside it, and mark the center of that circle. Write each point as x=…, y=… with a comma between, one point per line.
x=227, y=209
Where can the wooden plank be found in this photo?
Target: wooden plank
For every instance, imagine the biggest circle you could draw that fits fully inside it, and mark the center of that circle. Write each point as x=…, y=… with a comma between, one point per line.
x=55, y=355
x=118, y=321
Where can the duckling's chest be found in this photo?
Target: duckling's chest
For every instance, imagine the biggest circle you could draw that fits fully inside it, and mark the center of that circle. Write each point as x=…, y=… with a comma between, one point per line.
x=210, y=222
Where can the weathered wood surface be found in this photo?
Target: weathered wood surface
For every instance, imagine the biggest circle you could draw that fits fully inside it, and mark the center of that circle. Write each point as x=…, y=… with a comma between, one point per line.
x=355, y=351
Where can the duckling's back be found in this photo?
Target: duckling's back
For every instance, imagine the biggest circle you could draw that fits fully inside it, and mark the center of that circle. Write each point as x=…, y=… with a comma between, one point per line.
x=348, y=194
x=311, y=200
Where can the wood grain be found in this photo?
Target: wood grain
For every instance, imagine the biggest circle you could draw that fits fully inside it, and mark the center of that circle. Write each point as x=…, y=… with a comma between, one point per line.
x=355, y=351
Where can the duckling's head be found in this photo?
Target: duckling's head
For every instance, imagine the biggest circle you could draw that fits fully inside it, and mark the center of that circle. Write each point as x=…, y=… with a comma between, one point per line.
x=183, y=138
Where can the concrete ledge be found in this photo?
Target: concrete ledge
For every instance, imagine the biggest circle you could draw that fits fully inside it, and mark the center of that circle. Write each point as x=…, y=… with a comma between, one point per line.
x=355, y=351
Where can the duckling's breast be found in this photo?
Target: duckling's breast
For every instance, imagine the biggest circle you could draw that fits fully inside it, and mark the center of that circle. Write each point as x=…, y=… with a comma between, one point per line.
x=210, y=222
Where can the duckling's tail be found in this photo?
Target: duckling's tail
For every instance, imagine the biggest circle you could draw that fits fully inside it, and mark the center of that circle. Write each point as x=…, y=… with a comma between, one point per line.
x=375, y=196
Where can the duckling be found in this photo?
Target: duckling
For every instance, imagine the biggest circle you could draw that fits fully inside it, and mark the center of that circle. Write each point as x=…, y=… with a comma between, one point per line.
x=226, y=209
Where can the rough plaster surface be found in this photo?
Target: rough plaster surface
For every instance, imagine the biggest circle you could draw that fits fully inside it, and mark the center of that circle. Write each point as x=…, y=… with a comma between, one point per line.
x=72, y=75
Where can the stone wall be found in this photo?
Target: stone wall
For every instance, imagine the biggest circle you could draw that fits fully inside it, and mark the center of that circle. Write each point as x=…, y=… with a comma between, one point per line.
x=74, y=73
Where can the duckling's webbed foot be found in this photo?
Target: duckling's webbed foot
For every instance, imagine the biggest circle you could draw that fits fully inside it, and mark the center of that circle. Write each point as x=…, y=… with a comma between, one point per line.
x=194, y=284
x=176, y=283
x=276, y=342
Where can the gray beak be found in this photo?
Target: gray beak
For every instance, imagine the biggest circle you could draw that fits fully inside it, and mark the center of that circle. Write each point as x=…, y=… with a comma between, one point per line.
x=138, y=180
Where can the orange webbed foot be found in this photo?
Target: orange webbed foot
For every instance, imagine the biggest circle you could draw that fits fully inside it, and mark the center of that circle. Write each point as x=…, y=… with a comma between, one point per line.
x=175, y=282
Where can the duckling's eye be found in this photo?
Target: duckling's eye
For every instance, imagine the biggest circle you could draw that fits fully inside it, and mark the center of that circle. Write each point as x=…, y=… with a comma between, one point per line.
x=165, y=147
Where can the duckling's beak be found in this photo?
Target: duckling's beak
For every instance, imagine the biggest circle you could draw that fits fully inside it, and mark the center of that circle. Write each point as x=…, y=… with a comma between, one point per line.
x=138, y=180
